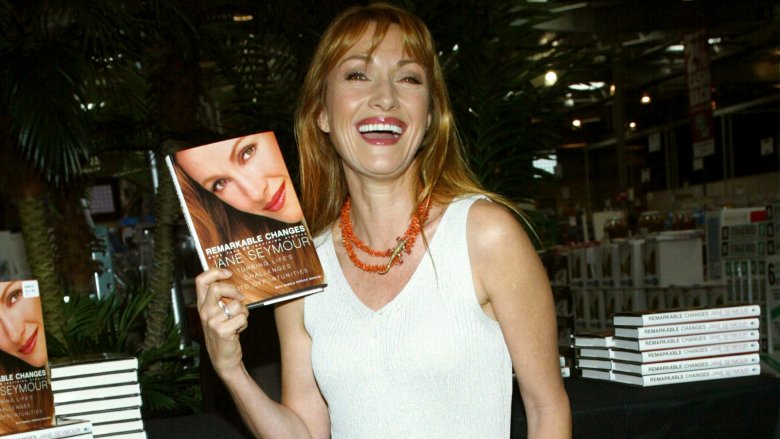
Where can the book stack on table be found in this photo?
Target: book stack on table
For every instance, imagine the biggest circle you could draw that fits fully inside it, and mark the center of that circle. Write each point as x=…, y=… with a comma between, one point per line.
x=103, y=389
x=674, y=346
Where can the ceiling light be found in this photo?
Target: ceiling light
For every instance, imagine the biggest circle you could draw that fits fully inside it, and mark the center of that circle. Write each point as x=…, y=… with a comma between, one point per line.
x=576, y=123
x=676, y=48
x=243, y=17
x=587, y=86
x=645, y=99
x=550, y=78
x=632, y=125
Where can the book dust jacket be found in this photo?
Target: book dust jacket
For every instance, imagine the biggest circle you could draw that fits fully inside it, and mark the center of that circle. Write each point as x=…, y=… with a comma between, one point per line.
x=243, y=213
x=26, y=401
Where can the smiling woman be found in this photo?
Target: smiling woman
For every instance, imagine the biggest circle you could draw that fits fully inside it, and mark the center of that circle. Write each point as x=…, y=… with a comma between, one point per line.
x=25, y=397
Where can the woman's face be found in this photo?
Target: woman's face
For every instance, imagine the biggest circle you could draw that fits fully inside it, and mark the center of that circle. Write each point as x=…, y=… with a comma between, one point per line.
x=377, y=107
x=21, y=325
x=247, y=173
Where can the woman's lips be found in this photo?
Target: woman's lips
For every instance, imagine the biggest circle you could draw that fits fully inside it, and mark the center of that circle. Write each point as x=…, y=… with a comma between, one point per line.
x=29, y=346
x=381, y=130
x=277, y=201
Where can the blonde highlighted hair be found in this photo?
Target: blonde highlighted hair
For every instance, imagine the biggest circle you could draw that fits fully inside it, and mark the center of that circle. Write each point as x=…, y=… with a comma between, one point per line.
x=440, y=164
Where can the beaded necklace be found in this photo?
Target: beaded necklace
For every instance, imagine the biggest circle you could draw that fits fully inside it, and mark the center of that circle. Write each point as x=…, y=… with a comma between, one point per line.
x=405, y=242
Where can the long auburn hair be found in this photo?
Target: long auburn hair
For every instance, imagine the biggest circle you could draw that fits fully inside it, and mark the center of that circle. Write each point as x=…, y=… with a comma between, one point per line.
x=441, y=166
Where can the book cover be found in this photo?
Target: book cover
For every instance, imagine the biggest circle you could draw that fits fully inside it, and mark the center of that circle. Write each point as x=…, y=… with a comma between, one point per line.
x=89, y=364
x=244, y=215
x=684, y=365
x=684, y=353
x=85, y=381
x=686, y=377
x=25, y=390
x=600, y=339
x=64, y=428
x=643, y=332
x=683, y=315
x=650, y=344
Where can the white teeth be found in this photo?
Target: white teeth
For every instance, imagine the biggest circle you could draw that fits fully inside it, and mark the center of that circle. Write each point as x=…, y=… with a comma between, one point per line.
x=395, y=129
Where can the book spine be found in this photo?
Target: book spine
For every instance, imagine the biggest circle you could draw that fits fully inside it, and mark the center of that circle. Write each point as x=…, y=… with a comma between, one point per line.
x=650, y=344
x=55, y=432
x=688, y=328
x=698, y=351
x=699, y=363
x=701, y=315
x=702, y=375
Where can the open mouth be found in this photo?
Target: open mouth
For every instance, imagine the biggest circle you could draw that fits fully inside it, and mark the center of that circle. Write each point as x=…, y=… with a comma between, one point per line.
x=381, y=129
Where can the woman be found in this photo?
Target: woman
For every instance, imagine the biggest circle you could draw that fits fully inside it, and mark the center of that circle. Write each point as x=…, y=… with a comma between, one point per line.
x=26, y=402
x=419, y=329
x=243, y=185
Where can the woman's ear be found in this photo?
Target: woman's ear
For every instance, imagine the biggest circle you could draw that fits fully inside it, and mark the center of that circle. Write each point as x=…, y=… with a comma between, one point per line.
x=323, y=122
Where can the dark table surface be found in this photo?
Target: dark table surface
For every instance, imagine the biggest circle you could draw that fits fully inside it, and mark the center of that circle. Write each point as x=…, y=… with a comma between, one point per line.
x=746, y=407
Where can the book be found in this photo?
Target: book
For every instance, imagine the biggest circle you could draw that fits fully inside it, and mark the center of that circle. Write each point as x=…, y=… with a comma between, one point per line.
x=243, y=214
x=649, y=344
x=74, y=395
x=26, y=401
x=118, y=427
x=686, y=376
x=130, y=435
x=683, y=315
x=601, y=339
x=642, y=332
x=94, y=405
x=596, y=374
x=594, y=363
x=103, y=379
x=89, y=364
x=685, y=365
x=103, y=417
x=684, y=353
x=594, y=353
x=64, y=428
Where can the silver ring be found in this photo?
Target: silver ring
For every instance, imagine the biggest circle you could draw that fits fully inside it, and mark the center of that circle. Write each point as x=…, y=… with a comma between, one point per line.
x=225, y=310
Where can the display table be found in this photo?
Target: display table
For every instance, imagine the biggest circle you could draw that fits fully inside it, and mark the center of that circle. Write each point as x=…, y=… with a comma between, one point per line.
x=735, y=408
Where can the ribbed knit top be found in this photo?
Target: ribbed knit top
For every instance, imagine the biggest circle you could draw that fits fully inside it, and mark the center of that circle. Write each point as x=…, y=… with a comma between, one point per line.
x=429, y=364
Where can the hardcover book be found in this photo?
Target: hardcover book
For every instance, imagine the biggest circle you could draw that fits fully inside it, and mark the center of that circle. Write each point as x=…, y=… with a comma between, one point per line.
x=684, y=315
x=89, y=364
x=64, y=428
x=599, y=339
x=685, y=353
x=650, y=344
x=25, y=389
x=685, y=365
x=243, y=214
x=685, y=377
x=643, y=332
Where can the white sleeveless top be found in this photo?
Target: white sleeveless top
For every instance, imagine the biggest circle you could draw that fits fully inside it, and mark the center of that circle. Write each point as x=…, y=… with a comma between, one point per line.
x=430, y=364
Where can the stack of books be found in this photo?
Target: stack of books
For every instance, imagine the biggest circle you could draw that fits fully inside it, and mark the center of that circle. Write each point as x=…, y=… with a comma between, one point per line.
x=565, y=370
x=103, y=389
x=593, y=350
x=674, y=346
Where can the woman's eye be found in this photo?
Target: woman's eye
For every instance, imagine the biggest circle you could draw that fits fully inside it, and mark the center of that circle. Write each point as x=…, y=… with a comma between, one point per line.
x=219, y=185
x=356, y=76
x=248, y=152
x=14, y=297
x=412, y=79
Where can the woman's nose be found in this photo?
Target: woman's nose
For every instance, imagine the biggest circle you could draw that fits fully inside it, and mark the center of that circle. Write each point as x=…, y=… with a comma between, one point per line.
x=384, y=95
x=253, y=186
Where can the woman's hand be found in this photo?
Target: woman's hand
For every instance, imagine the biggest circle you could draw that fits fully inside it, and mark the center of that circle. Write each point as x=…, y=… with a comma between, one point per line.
x=223, y=316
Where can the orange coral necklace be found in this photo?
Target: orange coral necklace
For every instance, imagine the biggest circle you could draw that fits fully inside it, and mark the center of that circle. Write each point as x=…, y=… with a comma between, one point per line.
x=405, y=242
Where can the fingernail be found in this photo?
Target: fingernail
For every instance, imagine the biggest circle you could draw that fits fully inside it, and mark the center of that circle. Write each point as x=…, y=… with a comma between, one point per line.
x=227, y=272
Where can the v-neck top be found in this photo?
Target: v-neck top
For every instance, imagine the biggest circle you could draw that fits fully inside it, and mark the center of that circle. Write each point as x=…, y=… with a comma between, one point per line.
x=429, y=364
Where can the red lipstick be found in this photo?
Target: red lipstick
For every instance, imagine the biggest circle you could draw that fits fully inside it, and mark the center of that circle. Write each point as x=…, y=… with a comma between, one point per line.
x=29, y=345
x=277, y=201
